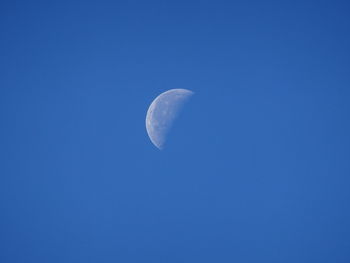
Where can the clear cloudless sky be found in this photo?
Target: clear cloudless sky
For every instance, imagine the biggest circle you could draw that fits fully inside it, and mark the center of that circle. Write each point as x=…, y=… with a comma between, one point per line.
x=256, y=168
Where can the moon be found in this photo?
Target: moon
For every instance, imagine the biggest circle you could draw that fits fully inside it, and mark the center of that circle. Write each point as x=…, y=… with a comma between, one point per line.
x=162, y=112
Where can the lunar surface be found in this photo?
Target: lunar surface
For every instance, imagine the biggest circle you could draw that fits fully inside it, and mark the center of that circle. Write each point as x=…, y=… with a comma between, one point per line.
x=162, y=113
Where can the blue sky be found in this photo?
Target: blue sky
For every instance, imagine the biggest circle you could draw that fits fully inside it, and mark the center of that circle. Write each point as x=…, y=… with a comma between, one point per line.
x=256, y=168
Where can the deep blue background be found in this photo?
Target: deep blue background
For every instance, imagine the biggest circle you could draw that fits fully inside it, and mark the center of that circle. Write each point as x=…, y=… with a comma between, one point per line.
x=256, y=168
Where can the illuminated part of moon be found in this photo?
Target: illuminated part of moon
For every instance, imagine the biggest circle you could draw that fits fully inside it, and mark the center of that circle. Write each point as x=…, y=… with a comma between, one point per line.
x=162, y=112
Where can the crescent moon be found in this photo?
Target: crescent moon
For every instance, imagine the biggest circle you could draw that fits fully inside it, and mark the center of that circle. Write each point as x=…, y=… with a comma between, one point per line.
x=162, y=112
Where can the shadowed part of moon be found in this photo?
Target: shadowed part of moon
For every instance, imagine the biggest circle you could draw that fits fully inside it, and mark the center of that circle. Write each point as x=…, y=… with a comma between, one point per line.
x=162, y=113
